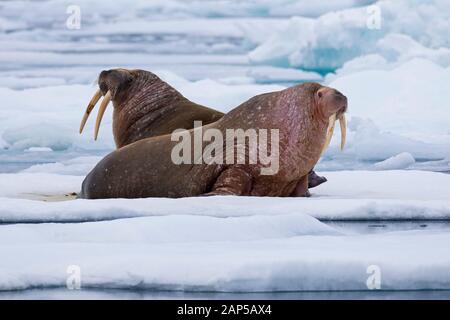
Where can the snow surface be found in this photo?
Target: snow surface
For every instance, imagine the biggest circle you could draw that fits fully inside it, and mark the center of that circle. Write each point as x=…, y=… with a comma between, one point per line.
x=348, y=195
x=326, y=262
x=225, y=243
x=404, y=31
x=400, y=161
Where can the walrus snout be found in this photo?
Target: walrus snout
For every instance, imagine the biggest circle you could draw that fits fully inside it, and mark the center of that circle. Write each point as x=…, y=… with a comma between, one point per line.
x=102, y=81
x=111, y=83
x=114, y=80
x=340, y=100
x=335, y=104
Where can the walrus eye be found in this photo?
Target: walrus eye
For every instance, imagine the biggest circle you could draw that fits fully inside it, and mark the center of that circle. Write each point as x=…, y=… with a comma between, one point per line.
x=319, y=94
x=104, y=87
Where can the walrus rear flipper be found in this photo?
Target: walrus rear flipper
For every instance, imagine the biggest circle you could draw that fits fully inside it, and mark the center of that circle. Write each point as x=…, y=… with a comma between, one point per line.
x=233, y=181
x=315, y=180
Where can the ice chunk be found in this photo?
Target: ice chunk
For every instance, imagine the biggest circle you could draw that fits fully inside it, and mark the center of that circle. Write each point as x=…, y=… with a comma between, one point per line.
x=39, y=149
x=400, y=161
x=43, y=134
x=171, y=229
x=272, y=74
x=393, y=112
x=76, y=166
x=221, y=96
x=334, y=38
x=269, y=259
x=400, y=48
x=314, y=9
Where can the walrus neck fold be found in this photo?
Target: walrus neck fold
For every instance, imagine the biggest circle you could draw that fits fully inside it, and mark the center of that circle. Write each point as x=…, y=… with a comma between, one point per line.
x=305, y=123
x=147, y=101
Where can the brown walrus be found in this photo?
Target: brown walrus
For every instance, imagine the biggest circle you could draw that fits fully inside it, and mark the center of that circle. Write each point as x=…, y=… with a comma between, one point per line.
x=304, y=116
x=145, y=106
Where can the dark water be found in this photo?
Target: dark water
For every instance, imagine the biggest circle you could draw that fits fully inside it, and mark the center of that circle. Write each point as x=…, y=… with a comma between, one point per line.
x=58, y=293
x=371, y=227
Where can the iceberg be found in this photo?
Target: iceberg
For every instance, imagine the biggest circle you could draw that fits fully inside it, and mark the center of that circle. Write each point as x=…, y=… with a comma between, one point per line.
x=332, y=39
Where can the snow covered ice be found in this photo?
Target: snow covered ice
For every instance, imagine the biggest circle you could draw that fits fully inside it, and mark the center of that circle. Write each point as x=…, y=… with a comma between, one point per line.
x=394, y=168
x=226, y=243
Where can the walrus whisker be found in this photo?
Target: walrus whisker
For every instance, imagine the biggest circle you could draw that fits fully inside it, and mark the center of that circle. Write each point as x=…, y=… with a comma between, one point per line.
x=101, y=112
x=89, y=108
x=343, y=126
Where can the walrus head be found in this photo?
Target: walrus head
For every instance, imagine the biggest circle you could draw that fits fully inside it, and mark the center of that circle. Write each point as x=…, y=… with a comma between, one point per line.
x=332, y=105
x=117, y=85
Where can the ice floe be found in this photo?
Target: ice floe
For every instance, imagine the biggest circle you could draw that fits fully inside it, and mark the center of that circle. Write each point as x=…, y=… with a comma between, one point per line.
x=348, y=195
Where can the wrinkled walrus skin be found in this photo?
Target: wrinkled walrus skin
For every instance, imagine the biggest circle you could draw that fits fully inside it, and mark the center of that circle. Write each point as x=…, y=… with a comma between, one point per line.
x=145, y=106
x=301, y=114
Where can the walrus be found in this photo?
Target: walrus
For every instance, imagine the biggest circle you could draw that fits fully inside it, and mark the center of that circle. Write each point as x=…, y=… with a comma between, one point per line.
x=145, y=106
x=303, y=115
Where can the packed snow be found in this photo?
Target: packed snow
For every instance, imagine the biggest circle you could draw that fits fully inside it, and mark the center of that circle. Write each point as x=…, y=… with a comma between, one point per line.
x=401, y=161
x=390, y=58
x=405, y=260
x=348, y=195
x=225, y=243
x=396, y=30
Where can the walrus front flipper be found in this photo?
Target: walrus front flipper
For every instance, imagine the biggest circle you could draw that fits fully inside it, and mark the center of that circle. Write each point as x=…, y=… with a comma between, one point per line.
x=232, y=181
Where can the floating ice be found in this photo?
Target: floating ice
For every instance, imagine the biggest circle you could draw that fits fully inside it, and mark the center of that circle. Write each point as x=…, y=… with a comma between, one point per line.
x=334, y=38
x=406, y=260
x=248, y=244
x=39, y=149
x=50, y=116
x=74, y=166
x=272, y=74
x=225, y=243
x=393, y=111
x=360, y=195
x=400, y=161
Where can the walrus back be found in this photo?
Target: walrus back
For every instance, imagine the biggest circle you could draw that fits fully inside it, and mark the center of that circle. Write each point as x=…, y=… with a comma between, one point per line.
x=145, y=169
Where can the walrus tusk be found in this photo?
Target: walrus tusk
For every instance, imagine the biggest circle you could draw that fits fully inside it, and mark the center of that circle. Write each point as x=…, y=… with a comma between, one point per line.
x=89, y=108
x=330, y=130
x=343, y=126
x=101, y=112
